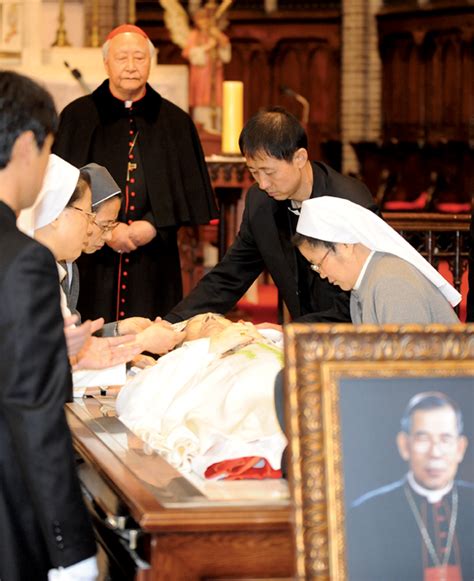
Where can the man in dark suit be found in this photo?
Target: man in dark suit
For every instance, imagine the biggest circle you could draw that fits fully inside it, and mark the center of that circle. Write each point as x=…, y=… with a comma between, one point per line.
x=43, y=522
x=421, y=527
x=275, y=147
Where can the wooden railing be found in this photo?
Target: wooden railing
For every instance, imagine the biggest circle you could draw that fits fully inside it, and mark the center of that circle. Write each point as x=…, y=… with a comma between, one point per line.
x=438, y=237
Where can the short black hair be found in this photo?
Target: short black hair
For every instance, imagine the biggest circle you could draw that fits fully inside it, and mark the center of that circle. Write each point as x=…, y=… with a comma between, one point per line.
x=274, y=132
x=426, y=401
x=299, y=239
x=24, y=106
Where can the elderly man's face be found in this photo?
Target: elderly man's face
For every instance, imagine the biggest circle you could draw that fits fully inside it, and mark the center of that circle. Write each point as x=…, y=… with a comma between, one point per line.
x=128, y=65
x=434, y=449
x=205, y=325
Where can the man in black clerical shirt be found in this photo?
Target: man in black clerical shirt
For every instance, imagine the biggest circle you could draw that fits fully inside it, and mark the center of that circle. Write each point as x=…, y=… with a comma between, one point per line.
x=421, y=527
x=275, y=147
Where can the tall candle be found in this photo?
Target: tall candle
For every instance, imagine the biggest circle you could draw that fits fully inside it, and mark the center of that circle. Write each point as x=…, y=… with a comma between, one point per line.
x=232, y=115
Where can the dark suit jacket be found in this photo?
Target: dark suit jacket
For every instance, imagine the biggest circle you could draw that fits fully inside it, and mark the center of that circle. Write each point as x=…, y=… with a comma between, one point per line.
x=264, y=241
x=43, y=521
x=384, y=542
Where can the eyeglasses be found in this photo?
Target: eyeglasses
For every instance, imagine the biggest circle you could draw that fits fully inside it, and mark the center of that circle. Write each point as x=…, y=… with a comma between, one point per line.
x=424, y=442
x=108, y=227
x=89, y=215
x=317, y=267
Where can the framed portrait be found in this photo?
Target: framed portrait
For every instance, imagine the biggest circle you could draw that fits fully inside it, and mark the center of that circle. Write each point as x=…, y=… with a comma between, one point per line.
x=379, y=421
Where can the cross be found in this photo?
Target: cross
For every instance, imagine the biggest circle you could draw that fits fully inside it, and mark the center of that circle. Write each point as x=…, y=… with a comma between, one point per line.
x=131, y=167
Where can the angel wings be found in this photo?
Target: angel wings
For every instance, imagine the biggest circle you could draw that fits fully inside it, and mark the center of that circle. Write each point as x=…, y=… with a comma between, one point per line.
x=177, y=19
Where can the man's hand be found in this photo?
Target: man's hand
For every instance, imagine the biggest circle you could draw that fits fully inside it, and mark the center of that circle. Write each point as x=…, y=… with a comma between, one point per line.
x=102, y=352
x=159, y=338
x=121, y=241
x=133, y=325
x=76, y=337
x=141, y=232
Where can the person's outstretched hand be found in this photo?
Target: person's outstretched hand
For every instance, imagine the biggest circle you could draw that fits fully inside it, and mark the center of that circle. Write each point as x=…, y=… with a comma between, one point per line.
x=76, y=336
x=102, y=352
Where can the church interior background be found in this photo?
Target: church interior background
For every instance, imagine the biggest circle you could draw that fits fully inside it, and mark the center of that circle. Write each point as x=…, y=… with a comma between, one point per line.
x=384, y=87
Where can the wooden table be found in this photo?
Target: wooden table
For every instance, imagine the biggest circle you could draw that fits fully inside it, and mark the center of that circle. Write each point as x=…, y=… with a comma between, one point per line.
x=154, y=523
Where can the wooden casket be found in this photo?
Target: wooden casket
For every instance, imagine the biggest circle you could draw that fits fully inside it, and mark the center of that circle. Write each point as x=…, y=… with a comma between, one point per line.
x=153, y=523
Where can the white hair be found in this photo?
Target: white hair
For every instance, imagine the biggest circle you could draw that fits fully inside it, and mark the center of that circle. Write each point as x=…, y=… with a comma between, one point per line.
x=106, y=46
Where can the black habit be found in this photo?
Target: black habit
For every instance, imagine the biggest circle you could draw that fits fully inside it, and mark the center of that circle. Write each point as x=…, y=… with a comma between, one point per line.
x=264, y=241
x=153, y=152
x=43, y=521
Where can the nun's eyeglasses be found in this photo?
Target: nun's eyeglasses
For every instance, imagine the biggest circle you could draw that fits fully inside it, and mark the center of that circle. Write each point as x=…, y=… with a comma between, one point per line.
x=108, y=227
x=89, y=215
x=317, y=267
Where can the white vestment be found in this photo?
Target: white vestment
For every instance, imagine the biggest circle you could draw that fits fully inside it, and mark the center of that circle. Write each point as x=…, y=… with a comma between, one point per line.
x=197, y=408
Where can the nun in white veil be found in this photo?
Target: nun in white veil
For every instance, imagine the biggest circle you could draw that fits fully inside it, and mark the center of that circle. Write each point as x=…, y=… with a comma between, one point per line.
x=61, y=219
x=390, y=282
x=61, y=216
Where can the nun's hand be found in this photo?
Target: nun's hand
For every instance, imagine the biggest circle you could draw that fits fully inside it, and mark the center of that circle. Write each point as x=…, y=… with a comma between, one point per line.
x=141, y=232
x=121, y=241
x=78, y=335
x=102, y=352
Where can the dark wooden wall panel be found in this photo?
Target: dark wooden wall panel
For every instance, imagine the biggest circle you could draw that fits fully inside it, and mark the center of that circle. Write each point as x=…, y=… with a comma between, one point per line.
x=300, y=50
x=427, y=105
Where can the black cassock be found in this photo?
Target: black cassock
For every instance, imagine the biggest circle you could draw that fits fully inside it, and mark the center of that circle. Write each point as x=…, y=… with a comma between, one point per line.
x=153, y=151
x=384, y=541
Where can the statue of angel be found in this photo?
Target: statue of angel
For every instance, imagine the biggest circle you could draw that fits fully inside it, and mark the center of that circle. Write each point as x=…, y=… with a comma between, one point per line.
x=207, y=49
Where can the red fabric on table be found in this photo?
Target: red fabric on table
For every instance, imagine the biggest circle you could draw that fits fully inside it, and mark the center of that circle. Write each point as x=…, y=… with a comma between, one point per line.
x=242, y=469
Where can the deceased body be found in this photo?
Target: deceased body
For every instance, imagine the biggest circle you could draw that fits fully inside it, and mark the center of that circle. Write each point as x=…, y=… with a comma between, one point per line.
x=210, y=400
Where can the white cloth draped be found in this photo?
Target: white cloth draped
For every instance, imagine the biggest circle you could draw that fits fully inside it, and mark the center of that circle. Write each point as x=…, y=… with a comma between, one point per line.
x=197, y=408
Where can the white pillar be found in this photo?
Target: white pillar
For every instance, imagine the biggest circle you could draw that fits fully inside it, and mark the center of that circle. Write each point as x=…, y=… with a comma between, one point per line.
x=361, y=78
x=32, y=33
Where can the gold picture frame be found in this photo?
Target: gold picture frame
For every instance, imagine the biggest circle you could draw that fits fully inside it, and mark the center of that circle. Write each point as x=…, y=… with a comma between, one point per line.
x=318, y=358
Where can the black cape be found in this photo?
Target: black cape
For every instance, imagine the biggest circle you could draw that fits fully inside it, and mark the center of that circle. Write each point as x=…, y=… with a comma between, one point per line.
x=383, y=540
x=94, y=128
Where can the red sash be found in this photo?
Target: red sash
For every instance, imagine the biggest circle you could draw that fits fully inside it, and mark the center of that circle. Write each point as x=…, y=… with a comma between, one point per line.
x=242, y=468
x=446, y=573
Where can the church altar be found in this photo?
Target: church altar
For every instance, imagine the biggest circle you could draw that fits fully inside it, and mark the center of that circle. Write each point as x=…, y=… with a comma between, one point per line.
x=153, y=522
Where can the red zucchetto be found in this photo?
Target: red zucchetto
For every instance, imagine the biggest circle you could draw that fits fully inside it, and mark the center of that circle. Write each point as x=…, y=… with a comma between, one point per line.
x=126, y=28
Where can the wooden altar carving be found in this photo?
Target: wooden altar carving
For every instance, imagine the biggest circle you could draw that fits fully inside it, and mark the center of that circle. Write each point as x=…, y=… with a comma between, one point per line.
x=296, y=48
